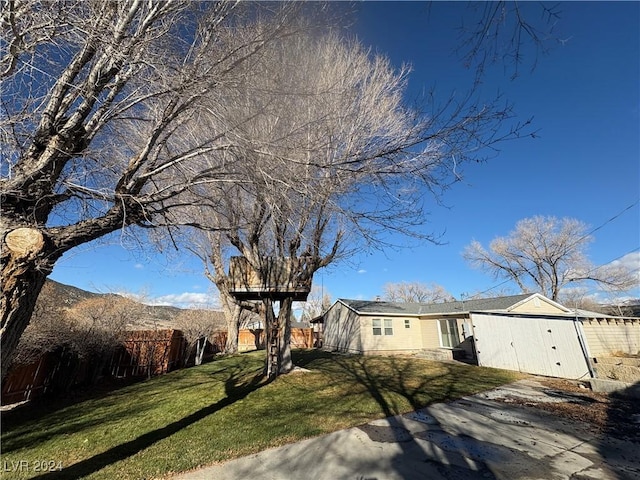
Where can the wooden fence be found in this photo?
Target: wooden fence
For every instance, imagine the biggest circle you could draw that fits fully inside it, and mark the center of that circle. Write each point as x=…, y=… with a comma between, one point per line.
x=255, y=339
x=29, y=381
x=144, y=353
x=148, y=353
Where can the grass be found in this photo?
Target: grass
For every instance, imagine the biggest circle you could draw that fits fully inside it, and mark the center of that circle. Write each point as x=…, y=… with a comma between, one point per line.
x=221, y=410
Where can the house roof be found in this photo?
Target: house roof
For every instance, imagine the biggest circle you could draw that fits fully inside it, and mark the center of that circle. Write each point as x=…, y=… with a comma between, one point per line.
x=393, y=308
x=590, y=314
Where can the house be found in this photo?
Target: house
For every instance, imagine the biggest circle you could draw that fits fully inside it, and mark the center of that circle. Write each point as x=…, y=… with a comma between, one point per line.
x=528, y=333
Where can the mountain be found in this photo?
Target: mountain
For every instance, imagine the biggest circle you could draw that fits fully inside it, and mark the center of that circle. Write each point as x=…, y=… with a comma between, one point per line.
x=154, y=316
x=68, y=295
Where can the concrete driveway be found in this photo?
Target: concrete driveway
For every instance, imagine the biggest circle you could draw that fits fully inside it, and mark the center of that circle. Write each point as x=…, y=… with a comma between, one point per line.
x=476, y=437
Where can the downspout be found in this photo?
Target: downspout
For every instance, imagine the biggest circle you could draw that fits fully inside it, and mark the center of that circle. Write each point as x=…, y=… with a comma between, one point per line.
x=583, y=344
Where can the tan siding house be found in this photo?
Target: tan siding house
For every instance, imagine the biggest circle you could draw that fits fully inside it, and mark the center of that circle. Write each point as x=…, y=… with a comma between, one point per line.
x=528, y=332
x=385, y=327
x=538, y=304
x=342, y=330
x=387, y=334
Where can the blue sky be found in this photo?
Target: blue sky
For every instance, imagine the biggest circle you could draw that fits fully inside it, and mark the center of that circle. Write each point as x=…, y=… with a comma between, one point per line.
x=584, y=97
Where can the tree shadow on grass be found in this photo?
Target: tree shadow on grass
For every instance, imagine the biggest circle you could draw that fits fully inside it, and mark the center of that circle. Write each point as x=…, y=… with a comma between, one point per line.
x=46, y=405
x=396, y=384
x=69, y=415
x=236, y=388
x=431, y=450
x=401, y=377
x=22, y=427
x=114, y=388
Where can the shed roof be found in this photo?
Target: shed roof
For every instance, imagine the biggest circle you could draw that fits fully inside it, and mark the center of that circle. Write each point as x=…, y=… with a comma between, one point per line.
x=414, y=309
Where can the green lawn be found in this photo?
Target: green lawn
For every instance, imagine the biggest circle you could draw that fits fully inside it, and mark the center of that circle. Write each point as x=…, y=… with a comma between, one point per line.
x=221, y=410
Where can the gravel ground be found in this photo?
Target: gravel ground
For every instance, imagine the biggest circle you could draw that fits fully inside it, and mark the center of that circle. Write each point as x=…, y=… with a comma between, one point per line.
x=605, y=414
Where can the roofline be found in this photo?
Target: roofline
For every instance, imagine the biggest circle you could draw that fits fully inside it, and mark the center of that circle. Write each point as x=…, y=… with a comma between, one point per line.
x=418, y=315
x=386, y=314
x=567, y=312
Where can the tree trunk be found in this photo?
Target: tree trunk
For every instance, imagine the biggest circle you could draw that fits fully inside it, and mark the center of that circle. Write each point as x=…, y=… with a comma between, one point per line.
x=186, y=355
x=201, y=344
x=25, y=266
x=232, y=313
x=285, y=363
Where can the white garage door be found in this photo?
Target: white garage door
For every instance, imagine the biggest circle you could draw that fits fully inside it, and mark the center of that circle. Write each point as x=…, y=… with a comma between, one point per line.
x=542, y=346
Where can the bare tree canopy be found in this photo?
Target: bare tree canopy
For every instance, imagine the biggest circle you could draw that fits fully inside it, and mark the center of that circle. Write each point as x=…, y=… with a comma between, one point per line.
x=318, y=302
x=90, y=328
x=47, y=330
x=546, y=254
x=507, y=33
x=331, y=158
x=102, y=322
x=197, y=327
x=416, y=292
x=98, y=101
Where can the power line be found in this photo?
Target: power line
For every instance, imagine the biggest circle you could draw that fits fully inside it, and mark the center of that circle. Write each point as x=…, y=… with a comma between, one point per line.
x=607, y=222
x=611, y=261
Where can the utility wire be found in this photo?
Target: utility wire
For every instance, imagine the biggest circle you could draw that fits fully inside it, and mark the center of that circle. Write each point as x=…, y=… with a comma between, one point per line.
x=605, y=223
x=611, y=261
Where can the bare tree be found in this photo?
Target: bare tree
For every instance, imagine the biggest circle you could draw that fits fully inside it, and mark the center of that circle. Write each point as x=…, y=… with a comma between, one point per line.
x=332, y=159
x=47, y=330
x=507, y=33
x=197, y=326
x=88, y=331
x=99, y=106
x=581, y=298
x=98, y=103
x=545, y=254
x=100, y=323
x=318, y=302
x=416, y=292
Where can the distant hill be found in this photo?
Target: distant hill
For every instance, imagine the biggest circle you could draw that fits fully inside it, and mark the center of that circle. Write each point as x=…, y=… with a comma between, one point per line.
x=155, y=316
x=68, y=295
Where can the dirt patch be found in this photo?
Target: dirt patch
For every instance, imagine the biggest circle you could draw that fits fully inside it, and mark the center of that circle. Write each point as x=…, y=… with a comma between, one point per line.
x=605, y=414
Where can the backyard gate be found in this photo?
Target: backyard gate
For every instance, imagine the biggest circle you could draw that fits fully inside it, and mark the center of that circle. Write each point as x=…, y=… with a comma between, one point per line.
x=549, y=346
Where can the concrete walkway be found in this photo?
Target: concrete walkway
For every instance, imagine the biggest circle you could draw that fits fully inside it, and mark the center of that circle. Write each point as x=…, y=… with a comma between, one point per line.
x=472, y=438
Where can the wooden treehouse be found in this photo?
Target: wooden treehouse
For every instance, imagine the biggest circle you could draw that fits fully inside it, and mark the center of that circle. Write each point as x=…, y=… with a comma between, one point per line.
x=274, y=279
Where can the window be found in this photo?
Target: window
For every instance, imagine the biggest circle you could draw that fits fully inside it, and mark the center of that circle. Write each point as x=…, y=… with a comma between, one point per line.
x=388, y=326
x=407, y=323
x=449, y=336
x=377, y=326
x=378, y=323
